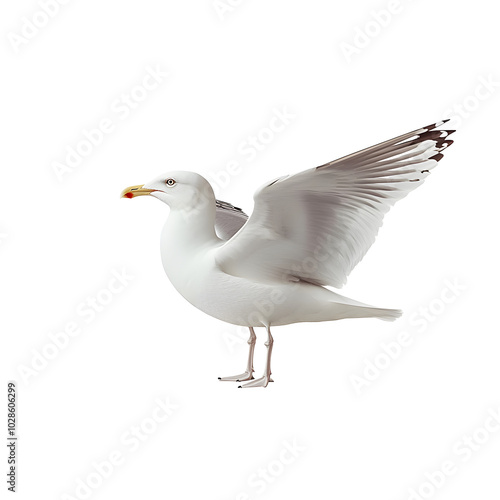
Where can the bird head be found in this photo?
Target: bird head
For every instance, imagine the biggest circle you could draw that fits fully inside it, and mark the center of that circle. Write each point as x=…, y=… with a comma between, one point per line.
x=178, y=189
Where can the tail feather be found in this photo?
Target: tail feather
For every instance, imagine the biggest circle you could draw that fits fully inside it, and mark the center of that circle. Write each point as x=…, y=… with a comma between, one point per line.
x=385, y=314
x=344, y=311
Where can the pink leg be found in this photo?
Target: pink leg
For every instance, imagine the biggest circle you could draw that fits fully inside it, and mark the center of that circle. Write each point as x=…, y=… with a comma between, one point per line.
x=248, y=374
x=266, y=378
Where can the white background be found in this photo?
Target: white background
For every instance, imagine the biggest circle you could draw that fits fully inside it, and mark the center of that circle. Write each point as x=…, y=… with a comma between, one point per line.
x=62, y=238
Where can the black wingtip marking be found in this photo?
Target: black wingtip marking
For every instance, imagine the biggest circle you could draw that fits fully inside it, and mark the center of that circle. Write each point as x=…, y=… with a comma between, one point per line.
x=437, y=157
x=424, y=171
x=430, y=132
x=439, y=136
x=445, y=144
x=431, y=135
x=448, y=133
x=437, y=124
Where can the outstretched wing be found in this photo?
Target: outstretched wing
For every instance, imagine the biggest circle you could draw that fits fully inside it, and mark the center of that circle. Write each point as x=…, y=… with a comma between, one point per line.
x=317, y=225
x=228, y=219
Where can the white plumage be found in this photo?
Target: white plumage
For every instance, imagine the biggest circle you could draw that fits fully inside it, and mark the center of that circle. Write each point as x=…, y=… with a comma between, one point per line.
x=307, y=231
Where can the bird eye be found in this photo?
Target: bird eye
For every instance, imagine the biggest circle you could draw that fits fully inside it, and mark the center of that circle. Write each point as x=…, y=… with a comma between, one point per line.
x=170, y=182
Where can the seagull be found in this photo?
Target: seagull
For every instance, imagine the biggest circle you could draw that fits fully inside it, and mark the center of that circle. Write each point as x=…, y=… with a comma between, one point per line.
x=307, y=231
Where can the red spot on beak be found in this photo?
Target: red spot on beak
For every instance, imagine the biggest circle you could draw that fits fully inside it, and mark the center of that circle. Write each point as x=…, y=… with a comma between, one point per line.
x=129, y=195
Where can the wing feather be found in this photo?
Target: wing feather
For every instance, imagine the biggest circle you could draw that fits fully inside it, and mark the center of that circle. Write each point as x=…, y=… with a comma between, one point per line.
x=228, y=219
x=318, y=224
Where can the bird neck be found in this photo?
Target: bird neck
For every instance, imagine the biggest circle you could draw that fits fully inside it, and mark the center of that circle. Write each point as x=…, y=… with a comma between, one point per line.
x=192, y=227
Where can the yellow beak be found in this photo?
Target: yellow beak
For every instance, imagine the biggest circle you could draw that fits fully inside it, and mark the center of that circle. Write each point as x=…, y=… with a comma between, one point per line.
x=133, y=191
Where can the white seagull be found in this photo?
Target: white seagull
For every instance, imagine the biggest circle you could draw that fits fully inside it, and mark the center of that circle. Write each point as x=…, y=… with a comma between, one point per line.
x=307, y=231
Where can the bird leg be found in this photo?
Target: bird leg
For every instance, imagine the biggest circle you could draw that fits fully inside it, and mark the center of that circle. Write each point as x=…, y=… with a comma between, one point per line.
x=266, y=378
x=248, y=374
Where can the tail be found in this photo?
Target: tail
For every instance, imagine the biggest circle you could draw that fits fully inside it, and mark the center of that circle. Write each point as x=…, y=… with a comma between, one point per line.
x=344, y=311
x=384, y=314
x=343, y=307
